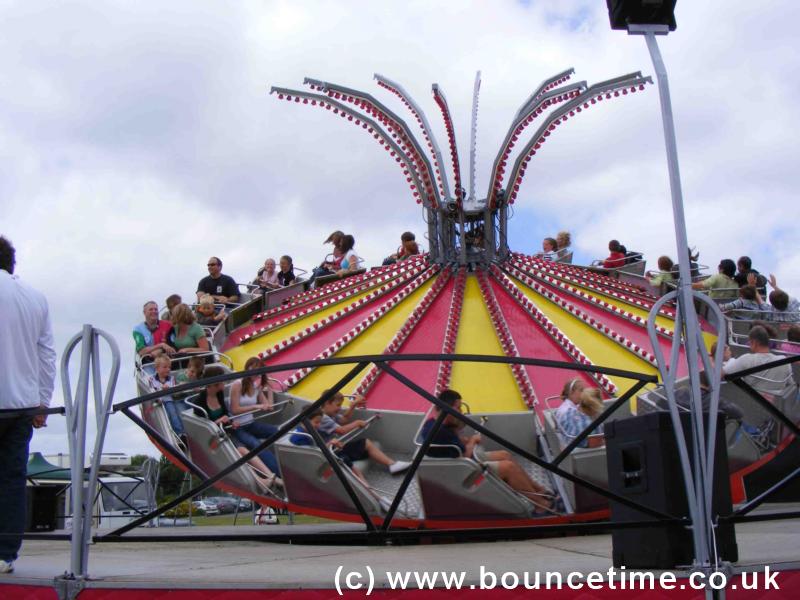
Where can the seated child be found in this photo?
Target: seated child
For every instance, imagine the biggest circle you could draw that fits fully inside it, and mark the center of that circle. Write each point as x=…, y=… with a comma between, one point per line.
x=212, y=404
x=193, y=371
x=450, y=443
x=616, y=257
x=335, y=423
x=726, y=353
x=591, y=405
x=408, y=248
x=207, y=314
x=172, y=301
x=267, y=277
x=300, y=437
x=745, y=301
x=579, y=406
x=664, y=275
x=549, y=249
x=162, y=379
x=286, y=274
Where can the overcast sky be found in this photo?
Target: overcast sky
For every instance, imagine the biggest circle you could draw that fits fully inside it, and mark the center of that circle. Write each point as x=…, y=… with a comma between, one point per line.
x=138, y=138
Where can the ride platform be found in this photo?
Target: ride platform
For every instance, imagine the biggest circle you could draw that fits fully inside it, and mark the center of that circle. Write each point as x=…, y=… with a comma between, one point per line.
x=193, y=568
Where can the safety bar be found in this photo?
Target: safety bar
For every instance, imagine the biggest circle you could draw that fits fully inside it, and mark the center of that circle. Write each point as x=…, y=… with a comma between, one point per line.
x=419, y=441
x=277, y=408
x=354, y=433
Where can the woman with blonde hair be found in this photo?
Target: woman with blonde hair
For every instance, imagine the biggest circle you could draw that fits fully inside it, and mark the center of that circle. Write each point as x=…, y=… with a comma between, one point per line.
x=267, y=277
x=590, y=407
x=571, y=420
x=187, y=336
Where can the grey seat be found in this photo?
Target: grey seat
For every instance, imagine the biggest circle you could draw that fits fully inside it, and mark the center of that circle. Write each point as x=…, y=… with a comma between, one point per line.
x=586, y=463
x=310, y=481
x=462, y=489
x=565, y=257
x=212, y=451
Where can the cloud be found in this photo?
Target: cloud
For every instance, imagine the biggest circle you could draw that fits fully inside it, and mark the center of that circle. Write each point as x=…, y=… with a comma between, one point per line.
x=139, y=138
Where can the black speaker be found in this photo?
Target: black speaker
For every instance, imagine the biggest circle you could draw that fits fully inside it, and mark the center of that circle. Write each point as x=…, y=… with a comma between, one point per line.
x=641, y=12
x=644, y=466
x=41, y=507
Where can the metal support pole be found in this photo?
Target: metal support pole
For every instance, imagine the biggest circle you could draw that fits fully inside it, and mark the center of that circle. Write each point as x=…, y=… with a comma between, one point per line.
x=462, y=254
x=687, y=329
x=503, y=242
x=488, y=235
x=76, y=435
x=77, y=411
x=434, y=236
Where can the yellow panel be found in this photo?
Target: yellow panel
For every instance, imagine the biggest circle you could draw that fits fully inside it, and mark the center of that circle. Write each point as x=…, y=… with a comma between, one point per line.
x=661, y=320
x=601, y=350
x=373, y=341
x=485, y=387
x=241, y=353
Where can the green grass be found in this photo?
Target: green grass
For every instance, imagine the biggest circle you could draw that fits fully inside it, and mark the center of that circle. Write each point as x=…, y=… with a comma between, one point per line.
x=246, y=518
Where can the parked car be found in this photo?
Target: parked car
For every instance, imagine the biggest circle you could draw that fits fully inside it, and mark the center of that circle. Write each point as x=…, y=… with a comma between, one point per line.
x=224, y=504
x=206, y=506
x=245, y=505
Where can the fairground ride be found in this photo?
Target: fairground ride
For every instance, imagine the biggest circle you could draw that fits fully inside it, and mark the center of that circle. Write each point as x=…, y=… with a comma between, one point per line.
x=504, y=329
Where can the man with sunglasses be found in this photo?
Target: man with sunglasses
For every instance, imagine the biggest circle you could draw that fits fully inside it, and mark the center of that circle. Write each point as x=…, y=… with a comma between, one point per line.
x=222, y=287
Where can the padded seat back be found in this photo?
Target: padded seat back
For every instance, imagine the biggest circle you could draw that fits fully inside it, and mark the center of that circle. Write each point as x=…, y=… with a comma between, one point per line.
x=212, y=451
x=565, y=257
x=586, y=463
x=637, y=267
x=460, y=489
x=325, y=279
x=310, y=481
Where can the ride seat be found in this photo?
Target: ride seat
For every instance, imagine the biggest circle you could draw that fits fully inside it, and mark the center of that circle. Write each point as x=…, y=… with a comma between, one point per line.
x=464, y=489
x=586, y=463
x=212, y=450
x=310, y=481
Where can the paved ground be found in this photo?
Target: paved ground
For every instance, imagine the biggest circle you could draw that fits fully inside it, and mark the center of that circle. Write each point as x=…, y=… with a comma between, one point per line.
x=264, y=565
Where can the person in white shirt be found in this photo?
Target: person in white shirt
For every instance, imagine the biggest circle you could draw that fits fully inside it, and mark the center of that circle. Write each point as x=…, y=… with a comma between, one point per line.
x=549, y=251
x=774, y=381
x=27, y=376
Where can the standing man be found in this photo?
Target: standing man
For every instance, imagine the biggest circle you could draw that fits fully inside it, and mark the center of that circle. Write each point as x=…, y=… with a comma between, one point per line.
x=27, y=375
x=222, y=287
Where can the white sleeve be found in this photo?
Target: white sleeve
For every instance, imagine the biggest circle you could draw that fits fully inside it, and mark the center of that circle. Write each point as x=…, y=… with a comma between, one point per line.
x=47, y=359
x=733, y=365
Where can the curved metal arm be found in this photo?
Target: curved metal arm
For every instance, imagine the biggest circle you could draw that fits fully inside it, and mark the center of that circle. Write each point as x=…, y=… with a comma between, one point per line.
x=546, y=85
x=441, y=101
x=419, y=114
x=534, y=107
x=634, y=81
x=367, y=123
x=394, y=123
